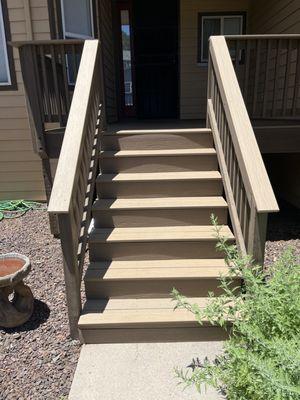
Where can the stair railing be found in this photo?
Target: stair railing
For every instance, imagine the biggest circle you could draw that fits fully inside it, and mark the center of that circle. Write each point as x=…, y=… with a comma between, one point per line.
x=247, y=187
x=268, y=70
x=74, y=186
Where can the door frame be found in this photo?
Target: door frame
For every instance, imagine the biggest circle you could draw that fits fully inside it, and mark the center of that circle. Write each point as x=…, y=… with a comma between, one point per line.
x=125, y=111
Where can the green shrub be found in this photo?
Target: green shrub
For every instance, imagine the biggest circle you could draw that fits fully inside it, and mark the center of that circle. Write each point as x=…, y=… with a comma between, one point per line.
x=261, y=358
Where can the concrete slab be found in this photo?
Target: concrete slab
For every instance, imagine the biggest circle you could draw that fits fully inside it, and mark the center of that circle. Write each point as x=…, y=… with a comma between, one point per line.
x=143, y=371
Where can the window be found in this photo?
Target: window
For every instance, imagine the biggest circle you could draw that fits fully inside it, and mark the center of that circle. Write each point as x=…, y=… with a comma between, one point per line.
x=77, y=19
x=214, y=24
x=6, y=63
x=77, y=22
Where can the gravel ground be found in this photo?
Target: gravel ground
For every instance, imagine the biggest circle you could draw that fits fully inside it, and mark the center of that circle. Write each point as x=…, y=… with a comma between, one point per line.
x=38, y=360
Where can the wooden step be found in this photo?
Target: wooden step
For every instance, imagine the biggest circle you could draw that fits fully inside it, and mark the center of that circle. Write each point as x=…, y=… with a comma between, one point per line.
x=159, y=184
x=155, y=243
x=158, y=160
x=169, y=211
x=143, y=320
x=154, y=278
x=157, y=139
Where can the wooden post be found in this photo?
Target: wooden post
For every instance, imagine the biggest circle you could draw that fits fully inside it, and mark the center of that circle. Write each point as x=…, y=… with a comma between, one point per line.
x=257, y=236
x=71, y=272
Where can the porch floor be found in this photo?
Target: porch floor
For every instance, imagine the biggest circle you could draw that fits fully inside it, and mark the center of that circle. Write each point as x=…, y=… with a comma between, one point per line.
x=136, y=124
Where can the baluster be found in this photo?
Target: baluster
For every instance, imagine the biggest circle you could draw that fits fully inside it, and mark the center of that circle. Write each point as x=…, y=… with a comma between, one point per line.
x=287, y=76
x=256, y=76
x=56, y=86
x=277, y=61
x=266, y=83
x=45, y=84
x=247, y=70
x=297, y=83
x=65, y=78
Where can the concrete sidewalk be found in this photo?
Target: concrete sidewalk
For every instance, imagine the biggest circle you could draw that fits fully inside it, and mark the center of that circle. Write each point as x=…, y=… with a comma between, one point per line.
x=143, y=371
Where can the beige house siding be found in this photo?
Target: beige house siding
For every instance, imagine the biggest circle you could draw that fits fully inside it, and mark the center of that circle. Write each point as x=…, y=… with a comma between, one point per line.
x=20, y=168
x=193, y=77
x=275, y=16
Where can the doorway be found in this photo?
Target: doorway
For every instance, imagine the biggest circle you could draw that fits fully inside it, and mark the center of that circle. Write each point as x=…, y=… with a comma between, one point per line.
x=150, y=89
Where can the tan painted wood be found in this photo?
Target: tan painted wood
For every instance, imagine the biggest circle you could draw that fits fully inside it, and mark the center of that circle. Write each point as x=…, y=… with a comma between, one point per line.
x=226, y=180
x=165, y=203
x=176, y=131
x=73, y=140
x=137, y=312
x=160, y=176
x=156, y=269
x=154, y=234
x=150, y=335
x=151, y=153
x=250, y=161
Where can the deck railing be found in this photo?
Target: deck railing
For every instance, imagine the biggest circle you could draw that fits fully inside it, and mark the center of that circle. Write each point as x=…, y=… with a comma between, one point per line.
x=268, y=71
x=247, y=187
x=74, y=185
x=49, y=70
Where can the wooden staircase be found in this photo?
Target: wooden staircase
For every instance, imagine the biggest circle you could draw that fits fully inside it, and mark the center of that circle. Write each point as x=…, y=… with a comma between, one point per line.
x=152, y=232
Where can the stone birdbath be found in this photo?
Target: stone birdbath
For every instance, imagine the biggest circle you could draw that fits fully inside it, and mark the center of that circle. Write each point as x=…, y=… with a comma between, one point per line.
x=16, y=299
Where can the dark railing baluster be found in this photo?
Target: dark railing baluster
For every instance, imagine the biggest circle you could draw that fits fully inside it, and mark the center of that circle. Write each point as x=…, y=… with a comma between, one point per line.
x=266, y=81
x=297, y=82
x=256, y=75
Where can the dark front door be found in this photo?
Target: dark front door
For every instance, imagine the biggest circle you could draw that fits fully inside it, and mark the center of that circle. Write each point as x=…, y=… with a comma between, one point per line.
x=155, y=26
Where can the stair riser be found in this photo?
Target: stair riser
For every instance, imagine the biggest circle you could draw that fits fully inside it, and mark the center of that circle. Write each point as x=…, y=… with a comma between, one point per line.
x=157, y=141
x=159, y=164
x=152, y=335
x=157, y=217
x=153, y=250
x=185, y=188
x=152, y=288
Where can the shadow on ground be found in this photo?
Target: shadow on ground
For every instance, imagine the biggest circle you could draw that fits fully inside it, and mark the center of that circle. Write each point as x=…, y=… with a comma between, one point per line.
x=41, y=313
x=284, y=225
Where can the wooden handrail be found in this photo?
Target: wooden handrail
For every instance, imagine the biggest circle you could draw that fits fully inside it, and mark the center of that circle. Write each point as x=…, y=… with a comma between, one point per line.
x=67, y=168
x=248, y=190
x=49, y=42
x=74, y=186
x=267, y=36
x=247, y=151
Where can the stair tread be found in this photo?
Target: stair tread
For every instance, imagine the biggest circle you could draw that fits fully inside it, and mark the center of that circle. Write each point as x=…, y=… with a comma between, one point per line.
x=156, y=269
x=160, y=203
x=156, y=131
x=159, y=176
x=164, y=233
x=165, y=153
x=136, y=312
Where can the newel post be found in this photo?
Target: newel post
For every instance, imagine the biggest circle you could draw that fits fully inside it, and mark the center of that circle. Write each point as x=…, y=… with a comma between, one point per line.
x=257, y=235
x=71, y=272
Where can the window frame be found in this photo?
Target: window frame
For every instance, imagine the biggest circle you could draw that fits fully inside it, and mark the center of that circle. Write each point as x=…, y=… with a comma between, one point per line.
x=11, y=84
x=70, y=35
x=222, y=16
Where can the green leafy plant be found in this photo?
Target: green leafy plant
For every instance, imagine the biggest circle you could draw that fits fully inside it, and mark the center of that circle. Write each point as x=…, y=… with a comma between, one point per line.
x=261, y=358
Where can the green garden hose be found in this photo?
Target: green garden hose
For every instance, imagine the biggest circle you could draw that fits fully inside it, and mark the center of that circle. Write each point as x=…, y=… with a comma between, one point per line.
x=16, y=208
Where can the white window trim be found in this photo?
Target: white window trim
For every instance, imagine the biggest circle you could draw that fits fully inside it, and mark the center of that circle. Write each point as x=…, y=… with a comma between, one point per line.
x=70, y=35
x=3, y=38
x=221, y=17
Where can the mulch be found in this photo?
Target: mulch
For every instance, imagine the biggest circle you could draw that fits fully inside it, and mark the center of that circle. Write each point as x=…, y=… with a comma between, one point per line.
x=38, y=360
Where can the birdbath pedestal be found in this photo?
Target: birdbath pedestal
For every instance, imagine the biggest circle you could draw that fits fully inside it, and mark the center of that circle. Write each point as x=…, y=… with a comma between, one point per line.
x=17, y=310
